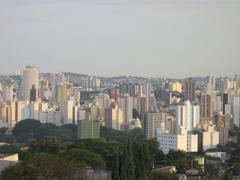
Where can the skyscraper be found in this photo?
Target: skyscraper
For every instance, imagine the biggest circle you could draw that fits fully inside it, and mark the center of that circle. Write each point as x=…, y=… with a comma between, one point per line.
x=236, y=110
x=114, y=117
x=206, y=106
x=33, y=93
x=190, y=89
x=8, y=93
x=211, y=84
x=152, y=122
x=30, y=78
x=187, y=116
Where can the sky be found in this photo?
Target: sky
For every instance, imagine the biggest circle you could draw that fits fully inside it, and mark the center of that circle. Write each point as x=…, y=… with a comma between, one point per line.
x=152, y=38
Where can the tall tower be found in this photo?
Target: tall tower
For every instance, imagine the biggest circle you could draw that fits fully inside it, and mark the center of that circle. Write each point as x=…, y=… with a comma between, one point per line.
x=187, y=116
x=33, y=94
x=190, y=89
x=30, y=78
x=206, y=106
x=211, y=84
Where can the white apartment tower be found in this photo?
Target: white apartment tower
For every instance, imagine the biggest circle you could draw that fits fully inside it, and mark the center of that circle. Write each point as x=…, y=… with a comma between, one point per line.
x=30, y=78
x=187, y=116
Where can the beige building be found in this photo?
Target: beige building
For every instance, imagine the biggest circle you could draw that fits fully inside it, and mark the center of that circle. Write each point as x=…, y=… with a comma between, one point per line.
x=210, y=138
x=114, y=118
x=152, y=122
x=11, y=112
x=176, y=86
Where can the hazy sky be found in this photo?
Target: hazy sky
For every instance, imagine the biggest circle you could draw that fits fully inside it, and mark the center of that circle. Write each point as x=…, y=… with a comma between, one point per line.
x=175, y=38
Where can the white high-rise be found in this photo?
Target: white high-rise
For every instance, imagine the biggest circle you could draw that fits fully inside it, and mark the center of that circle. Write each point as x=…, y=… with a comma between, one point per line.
x=30, y=78
x=183, y=141
x=8, y=93
x=236, y=110
x=187, y=116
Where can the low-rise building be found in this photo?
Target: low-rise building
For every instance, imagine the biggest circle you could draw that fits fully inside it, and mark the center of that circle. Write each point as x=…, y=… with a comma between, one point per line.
x=184, y=141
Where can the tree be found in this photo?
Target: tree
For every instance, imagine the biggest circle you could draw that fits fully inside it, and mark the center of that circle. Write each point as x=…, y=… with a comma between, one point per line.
x=45, y=166
x=236, y=168
x=91, y=159
x=130, y=167
x=47, y=144
x=107, y=149
x=181, y=160
x=136, y=114
x=9, y=149
x=25, y=129
x=165, y=176
x=136, y=134
x=116, y=169
x=13, y=172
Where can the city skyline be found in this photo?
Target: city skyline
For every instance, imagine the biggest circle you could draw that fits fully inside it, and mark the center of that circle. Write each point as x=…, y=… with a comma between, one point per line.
x=145, y=38
x=19, y=72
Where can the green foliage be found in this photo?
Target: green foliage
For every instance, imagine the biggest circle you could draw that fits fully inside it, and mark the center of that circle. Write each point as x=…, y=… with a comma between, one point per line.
x=92, y=159
x=27, y=129
x=107, y=149
x=113, y=135
x=2, y=133
x=129, y=166
x=8, y=138
x=47, y=144
x=13, y=173
x=45, y=166
x=136, y=114
x=9, y=149
x=136, y=134
x=116, y=169
x=236, y=168
x=165, y=176
x=127, y=154
x=143, y=161
x=181, y=160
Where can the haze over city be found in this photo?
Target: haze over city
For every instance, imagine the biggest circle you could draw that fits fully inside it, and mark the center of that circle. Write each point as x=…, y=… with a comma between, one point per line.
x=176, y=38
x=119, y=89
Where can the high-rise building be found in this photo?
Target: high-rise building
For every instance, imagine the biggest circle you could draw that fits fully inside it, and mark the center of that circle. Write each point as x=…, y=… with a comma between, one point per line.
x=50, y=116
x=11, y=112
x=237, y=79
x=8, y=93
x=126, y=104
x=210, y=138
x=225, y=100
x=30, y=78
x=143, y=105
x=190, y=89
x=67, y=112
x=88, y=129
x=176, y=87
x=211, y=84
x=187, y=116
x=33, y=93
x=61, y=94
x=152, y=122
x=206, y=106
x=224, y=125
x=114, y=118
x=236, y=110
